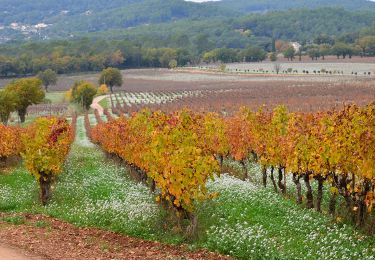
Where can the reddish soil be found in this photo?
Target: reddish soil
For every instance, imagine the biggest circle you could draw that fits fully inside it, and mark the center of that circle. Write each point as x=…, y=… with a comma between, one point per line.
x=49, y=238
x=296, y=95
x=10, y=253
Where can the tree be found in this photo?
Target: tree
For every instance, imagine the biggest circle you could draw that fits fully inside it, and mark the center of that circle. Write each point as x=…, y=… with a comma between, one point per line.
x=289, y=53
x=281, y=46
x=48, y=77
x=314, y=53
x=180, y=40
x=102, y=90
x=324, y=39
x=83, y=93
x=253, y=54
x=111, y=77
x=28, y=91
x=324, y=49
x=273, y=56
x=8, y=103
x=202, y=43
x=173, y=64
x=166, y=56
x=115, y=59
x=367, y=45
x=342, y=49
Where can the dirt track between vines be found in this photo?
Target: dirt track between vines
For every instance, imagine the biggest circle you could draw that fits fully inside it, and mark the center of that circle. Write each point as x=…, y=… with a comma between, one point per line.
x=10, y=253
x=42, y=237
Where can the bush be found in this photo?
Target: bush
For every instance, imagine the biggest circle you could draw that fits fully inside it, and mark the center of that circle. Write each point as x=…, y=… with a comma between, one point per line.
x=47, y=144
x=10, y=144
x=172, y=64
x=103, y=90
x=222, y=67
x=83, y=93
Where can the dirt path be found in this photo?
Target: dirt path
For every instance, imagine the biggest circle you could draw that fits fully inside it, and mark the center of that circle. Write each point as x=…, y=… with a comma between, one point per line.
x=50, y=238
x=10, y=253
x=95, y=104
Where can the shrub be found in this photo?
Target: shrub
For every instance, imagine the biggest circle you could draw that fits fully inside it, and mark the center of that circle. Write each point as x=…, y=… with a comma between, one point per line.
x=10, y=143
x=83, y=92
x=102, y=90
x=47, y=143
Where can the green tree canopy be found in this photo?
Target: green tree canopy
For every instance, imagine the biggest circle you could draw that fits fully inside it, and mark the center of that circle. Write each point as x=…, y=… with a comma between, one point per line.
x=8, y=104
x=367, y=45
x=342, y=49
x=111, y=77
x=48, y=77
x=253, y=54
x=289, y=53
x=29, y=91
x=83, y=92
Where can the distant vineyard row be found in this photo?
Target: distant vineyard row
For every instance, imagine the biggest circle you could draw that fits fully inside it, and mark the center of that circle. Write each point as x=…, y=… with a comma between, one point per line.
x=299, y=97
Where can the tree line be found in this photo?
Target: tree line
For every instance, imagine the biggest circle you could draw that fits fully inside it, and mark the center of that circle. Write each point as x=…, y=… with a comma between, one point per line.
x=97, y=54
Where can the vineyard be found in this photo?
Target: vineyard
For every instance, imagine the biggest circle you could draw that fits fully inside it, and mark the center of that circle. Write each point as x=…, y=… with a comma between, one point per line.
x=234, y=178
x=228, y=97
x=10, y=144
x=178, y=152
x=43, y=145
x=48, y=109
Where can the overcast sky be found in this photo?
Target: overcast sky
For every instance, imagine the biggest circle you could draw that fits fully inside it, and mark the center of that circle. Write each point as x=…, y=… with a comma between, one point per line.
x=200, y=1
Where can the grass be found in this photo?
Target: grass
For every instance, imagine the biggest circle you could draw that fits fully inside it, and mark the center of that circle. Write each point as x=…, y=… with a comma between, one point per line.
x=56, y=97
x=104, y=103
x=245, y=221
x=15, y=220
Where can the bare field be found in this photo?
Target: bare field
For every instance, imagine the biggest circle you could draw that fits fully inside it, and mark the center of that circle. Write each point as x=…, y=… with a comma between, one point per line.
x=315, y=67
x=228, y=91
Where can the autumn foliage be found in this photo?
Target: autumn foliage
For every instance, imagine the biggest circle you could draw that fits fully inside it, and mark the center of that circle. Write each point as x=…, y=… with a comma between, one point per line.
x=10, y=144
x=165, y=150
x=179, y=152
x=46, y=146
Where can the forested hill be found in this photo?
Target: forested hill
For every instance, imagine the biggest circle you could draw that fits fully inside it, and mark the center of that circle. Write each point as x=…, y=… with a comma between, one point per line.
x=304, y=24
x=59, y=11
x=276, y=5
x=158, y=20
x=46, y=19
x=133, y=12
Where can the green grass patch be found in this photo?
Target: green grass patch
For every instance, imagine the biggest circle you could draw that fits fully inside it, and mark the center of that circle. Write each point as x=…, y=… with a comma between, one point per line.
x=15, y=220
x=104, y=103
x=56, y=97
x=41, y=224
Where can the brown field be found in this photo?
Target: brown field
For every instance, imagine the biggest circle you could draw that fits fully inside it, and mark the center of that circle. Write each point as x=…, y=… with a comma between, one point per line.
x=228, y=91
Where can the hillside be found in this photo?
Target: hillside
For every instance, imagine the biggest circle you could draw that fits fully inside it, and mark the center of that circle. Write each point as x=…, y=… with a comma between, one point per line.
x=50, y=18
x=298, y=25
x=155, y=23
x=306, y=23
x=101, y=11
x=275, y=5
